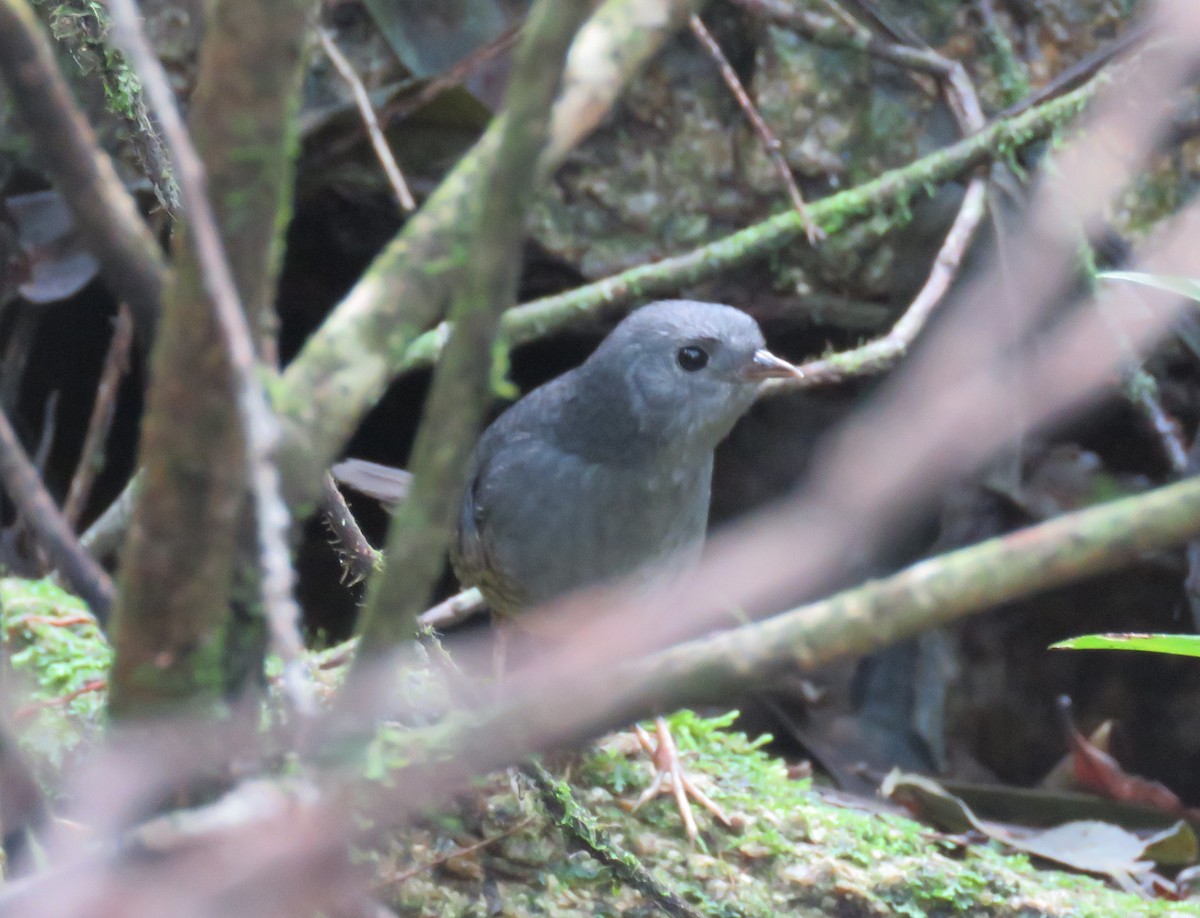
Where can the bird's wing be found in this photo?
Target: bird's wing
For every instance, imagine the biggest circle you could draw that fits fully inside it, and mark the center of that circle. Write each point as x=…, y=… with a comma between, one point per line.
x=473, y=564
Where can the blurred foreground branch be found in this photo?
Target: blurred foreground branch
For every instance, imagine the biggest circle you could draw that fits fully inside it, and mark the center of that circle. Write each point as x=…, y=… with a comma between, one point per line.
x=421, y=527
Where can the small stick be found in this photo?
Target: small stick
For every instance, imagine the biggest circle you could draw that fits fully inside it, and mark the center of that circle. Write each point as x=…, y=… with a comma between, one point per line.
x=28, y=710
x=91, y=456
x=884, y=353
x=367, y=112
x=400, y=878
x=104, y=536
x=16, y=355
x=454, y=76
x=455, y=610
x=771, y=144
x=46, y=441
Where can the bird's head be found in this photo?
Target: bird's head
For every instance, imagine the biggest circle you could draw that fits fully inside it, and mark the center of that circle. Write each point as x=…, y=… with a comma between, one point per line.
x=689, y=370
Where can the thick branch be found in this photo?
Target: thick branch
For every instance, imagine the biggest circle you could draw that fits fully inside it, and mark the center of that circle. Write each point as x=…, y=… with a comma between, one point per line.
x=422, y=526
x=932, y=593
x=345, y=367
x=200, y=447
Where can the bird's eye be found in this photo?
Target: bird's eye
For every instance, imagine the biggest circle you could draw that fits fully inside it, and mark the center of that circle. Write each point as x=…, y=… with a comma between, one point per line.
x=692, y=358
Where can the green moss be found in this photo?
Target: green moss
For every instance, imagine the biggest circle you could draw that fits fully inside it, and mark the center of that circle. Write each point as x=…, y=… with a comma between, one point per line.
x=61, y=663
x=791, y=851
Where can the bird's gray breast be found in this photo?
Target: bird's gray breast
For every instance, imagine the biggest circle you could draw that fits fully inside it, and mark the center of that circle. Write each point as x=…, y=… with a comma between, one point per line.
x=544, y=521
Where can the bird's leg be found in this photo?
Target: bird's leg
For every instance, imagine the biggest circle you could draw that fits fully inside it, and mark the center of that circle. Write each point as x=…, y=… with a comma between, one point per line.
x=669, y=771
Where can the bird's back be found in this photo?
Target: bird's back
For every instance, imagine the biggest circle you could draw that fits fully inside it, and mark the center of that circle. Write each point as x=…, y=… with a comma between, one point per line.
x=547, y=512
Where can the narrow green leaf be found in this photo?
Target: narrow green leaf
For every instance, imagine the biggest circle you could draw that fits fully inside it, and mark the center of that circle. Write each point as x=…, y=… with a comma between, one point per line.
x=1183, y=645
x=1184, y=286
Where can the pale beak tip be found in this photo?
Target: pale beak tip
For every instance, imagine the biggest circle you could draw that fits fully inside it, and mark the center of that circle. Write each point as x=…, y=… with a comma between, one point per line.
x=766, y=365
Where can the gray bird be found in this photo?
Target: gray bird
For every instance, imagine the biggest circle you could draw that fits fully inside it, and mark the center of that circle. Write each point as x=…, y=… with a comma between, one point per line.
x=605, y=471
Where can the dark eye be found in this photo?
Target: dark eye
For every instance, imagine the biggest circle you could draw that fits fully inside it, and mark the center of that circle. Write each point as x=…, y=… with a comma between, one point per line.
x=692, y=358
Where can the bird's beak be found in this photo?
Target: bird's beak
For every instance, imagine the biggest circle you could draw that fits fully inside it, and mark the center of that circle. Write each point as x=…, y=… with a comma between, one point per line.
x=765, y=365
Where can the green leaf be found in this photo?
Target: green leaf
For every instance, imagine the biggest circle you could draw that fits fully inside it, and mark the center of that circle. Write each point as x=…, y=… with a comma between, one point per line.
x=1184, y=286
x=1181, y=645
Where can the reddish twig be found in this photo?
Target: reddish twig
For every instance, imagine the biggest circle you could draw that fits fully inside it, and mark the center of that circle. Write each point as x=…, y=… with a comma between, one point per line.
x=91, y=456
x=28, y=710
x=452, y=77
x=770, y=143
x=54, y=621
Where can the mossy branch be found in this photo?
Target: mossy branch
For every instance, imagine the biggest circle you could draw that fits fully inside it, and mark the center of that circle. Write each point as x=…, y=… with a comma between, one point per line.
x=552, y=314
x=869, y=617
x=423, y=524
x=205, y=413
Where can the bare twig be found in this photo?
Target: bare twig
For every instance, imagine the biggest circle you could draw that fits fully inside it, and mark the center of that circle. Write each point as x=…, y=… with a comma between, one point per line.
x=367, y=112
x=53, y=533
x=91, y=456
x=458, y=608
x=884, y=353
x=41, y=455
x=398, y=879
x=771, y=145
x=258, y=422
x=104, y=536
x=1081, y=71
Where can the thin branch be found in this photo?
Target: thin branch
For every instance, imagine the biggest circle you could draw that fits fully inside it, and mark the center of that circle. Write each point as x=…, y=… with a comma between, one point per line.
x=108, y=219
x=104, y=536
x=367, y=112
x=770, y=143
x=91, y=456
x=551, y=314
x=16, y=354
x=259, y=425
x=455, y=610
x=1083, y=70
x=399, y=879
x=53, y=532
x=884, y=353
x=392, y=113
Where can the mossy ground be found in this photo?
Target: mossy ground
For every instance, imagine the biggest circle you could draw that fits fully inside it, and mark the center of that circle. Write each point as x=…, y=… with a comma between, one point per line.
x=790, y=852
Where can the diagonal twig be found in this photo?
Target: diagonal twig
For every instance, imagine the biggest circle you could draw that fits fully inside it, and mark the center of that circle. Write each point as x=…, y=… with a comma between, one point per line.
x=766, y=136
x=53, y=532
x=367, y=112
x=91, y=456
